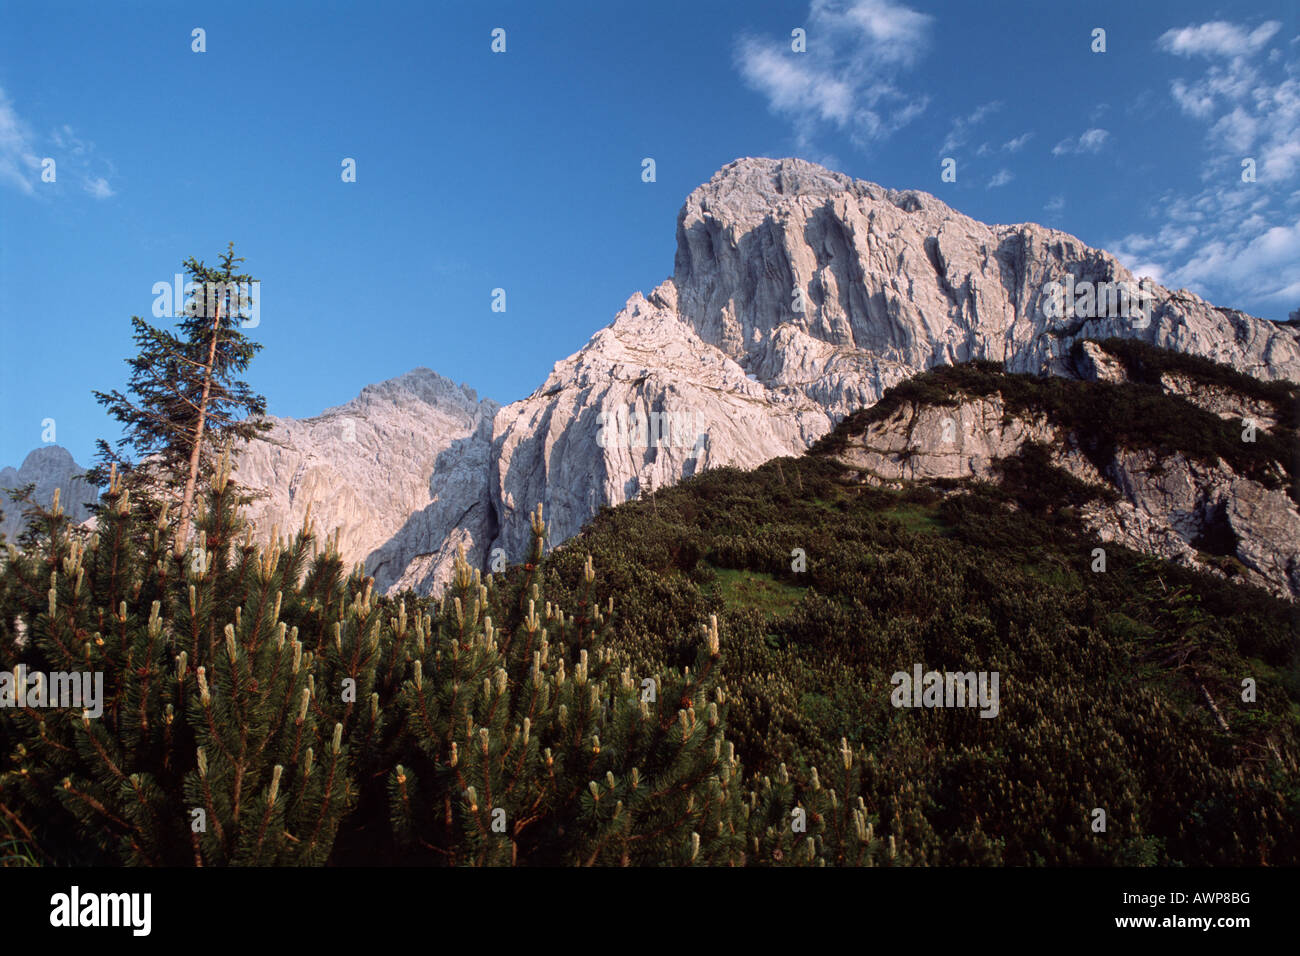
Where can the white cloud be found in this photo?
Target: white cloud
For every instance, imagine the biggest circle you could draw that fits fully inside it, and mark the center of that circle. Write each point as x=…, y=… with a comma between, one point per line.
x=1280, y=160
x=1220, y=241
x=1089, y=141
x=962, y=125
x=845, y=80
x=1015, y=145
x=1217, y=38
x=1232, y=239
x=21, y=156
x=19, y=164
x=1000, y=178
x=1277, y=118
x=1092, y=140
x=1220, y=82
x=791, y=88
x=1054, y=206
x=1267, y=262
x=1250, y=104
x=98, y=187
x=1236, y=130
x=1194, y=100
x=897, y=31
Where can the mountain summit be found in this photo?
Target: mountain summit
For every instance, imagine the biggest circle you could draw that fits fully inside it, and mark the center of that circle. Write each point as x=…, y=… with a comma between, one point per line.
x=48, y=468
x=798, y=296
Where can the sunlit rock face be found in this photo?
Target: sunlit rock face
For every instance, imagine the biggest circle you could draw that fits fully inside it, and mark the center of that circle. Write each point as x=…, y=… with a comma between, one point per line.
x=798, y=295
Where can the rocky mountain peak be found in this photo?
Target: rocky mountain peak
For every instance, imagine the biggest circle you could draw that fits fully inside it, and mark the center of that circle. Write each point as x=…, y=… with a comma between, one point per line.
x=48, y=460
x=798, y=296
x=47, y=467
x=754, y=186
x=897, y=278
x=420, y=385
x=375, y=468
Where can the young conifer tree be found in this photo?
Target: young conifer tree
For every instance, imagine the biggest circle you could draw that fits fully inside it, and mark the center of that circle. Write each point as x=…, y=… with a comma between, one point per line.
x=184, y=398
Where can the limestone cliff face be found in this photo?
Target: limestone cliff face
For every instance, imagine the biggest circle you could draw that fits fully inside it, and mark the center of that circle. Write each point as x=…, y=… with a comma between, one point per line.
x=1168, y=504
x=893, y=282
x=798, y=296
x=643, y=405
x=395, y=470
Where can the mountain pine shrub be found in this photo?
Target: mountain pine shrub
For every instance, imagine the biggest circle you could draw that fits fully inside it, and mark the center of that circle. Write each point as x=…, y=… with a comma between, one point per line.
x=263, y=706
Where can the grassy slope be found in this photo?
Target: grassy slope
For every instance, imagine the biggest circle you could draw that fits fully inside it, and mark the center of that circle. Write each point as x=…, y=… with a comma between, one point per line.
x=1101, y=673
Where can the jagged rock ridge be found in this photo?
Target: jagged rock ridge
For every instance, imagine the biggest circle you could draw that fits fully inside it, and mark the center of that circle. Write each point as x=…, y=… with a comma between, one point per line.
x=798, y=295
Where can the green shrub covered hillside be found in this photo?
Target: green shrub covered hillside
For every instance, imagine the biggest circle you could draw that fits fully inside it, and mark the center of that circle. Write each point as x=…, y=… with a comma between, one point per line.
x=740, y=670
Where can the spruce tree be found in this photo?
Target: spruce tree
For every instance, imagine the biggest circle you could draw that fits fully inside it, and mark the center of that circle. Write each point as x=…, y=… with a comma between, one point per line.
x=184, y=399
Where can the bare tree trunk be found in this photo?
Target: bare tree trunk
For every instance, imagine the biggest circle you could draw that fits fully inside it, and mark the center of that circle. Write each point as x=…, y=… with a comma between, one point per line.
x=1218, y=717
x=187, y=504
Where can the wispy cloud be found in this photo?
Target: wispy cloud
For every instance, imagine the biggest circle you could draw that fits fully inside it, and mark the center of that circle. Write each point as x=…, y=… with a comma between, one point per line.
x=1015, y=145
x=1202, y=247
x=19, y=164
x=1000, y=178
x=846, y=78
x=22, y=153
x=961, y=128
x=1232, y=236
x=1245, y=109
x=98, y=187
x=1089, y=141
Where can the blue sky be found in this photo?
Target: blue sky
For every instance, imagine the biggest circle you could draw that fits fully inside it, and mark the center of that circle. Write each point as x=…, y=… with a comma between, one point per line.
x=522, y=170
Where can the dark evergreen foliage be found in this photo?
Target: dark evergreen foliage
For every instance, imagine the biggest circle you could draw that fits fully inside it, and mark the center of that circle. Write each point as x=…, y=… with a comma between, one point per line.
x=672, y=686
x=179, y=378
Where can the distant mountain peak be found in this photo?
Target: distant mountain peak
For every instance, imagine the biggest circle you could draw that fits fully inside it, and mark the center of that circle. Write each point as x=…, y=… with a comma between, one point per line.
x=421, y=386
x=49, y=456
x=47, y=467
